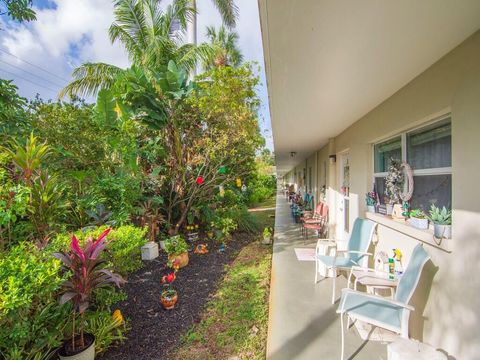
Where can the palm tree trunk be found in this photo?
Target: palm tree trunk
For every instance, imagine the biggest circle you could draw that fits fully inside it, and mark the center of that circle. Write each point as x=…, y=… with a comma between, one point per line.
x=192, y=30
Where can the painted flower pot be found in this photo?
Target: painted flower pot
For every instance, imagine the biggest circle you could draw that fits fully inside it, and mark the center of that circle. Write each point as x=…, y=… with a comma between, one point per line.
x=181, y=260
x=169, y=299
x=442, y=231
x=421, y=224
x=88, y=353
x=371, y=208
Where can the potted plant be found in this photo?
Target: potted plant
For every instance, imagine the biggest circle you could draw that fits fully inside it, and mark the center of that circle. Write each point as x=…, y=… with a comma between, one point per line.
x=267, y=235
x=88, y=274
x=442, y=221
x=177, y=250
x=370, y=200
x=169, y=296
x=418, y=219
x=393, y=184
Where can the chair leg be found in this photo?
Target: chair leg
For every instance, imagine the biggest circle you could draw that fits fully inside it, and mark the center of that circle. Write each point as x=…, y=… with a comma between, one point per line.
x=334, y=280
x=343, y=336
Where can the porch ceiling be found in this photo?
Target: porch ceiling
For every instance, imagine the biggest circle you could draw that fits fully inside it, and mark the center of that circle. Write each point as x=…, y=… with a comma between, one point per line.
x=329, y=62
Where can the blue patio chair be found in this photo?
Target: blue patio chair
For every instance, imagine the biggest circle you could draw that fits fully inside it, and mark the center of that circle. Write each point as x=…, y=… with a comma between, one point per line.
x=390, y=314
x=355, y=255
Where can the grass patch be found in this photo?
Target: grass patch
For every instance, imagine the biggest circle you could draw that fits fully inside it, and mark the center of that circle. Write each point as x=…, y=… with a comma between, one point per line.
x=235, y=321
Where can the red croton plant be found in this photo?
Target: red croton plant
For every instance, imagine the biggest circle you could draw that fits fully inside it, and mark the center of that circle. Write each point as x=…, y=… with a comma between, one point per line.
x=88, y=274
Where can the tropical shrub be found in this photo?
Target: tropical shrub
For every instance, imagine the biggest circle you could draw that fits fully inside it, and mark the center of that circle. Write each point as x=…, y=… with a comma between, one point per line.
x=31, y=322
x=124, y=251
x=87, y=274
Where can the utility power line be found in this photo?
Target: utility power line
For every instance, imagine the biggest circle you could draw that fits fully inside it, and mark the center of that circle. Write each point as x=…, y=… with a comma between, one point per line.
x=36, y=66
x=30, y=73
x=30, y=81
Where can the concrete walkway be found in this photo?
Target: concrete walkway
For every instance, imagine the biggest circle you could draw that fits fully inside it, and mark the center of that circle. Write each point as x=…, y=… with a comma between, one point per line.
x=302, y=322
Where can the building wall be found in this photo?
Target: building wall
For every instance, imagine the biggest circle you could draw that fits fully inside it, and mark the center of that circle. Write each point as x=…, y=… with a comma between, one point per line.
x=448, y=297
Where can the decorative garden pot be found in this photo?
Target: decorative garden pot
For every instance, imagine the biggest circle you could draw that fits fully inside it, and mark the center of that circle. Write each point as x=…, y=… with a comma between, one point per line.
x=169, y=299
x=87, y=353
x=421, y=224
x=181, y=260
x=162, y=244
x=442, y=231
x=389, y=209
x=371, y=208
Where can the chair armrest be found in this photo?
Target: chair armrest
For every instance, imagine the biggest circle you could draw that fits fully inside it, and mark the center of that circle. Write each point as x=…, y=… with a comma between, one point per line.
x=355, y=252
x=346, y=292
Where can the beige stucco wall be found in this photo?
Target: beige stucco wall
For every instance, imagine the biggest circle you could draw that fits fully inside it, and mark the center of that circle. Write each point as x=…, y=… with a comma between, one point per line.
x=448, y=297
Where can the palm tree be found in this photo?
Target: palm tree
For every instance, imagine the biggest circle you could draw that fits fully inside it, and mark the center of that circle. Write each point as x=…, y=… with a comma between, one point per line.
x=227, y=9
x=145, y=32
x=224, y=44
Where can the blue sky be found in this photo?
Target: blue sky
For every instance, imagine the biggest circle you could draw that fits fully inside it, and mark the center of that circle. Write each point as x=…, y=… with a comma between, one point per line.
x=70, y=32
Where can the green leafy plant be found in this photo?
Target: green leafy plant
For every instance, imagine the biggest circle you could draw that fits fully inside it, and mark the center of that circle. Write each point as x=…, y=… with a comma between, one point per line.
x=31, y=322
x=440, y=216
x=106, y=329
x=224, y=226
x=267, y=232
x=417, y=213
x=87, y=275
x=176, y=245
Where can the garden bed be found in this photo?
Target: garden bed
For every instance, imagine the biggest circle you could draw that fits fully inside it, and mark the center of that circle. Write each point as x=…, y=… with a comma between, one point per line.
x=154, y=331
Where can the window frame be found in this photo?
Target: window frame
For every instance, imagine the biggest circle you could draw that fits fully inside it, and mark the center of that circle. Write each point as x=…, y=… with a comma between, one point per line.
x=403, y=137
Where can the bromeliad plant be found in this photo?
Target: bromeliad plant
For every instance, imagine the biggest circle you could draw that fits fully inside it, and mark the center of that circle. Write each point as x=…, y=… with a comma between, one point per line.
x=440, y=216
x=88, y=274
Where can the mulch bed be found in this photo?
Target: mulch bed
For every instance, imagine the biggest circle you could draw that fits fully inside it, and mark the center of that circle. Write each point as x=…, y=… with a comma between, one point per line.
x=155, y=331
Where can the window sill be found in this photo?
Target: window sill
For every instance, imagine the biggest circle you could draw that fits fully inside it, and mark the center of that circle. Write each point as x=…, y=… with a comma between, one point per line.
x=425, y=236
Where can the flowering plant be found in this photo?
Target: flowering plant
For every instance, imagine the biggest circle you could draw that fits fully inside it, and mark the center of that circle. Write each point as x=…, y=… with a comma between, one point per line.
x=87, y=275
x=167, y=281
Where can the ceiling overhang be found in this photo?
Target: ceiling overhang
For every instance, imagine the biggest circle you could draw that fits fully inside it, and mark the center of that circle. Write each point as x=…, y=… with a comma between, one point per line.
x=329, y=62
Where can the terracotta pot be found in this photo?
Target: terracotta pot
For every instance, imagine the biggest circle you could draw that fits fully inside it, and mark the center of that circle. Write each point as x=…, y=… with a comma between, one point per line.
x=169, y=299
x=87, y=353
x=181, y=259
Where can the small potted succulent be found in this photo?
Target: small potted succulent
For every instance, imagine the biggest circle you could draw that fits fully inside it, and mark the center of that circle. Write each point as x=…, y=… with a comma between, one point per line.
x=371, y=201
x=87, y=274
x=169, y=296
x=267, y=235
x=177, y=250
x=418, y=219
x=442, y=221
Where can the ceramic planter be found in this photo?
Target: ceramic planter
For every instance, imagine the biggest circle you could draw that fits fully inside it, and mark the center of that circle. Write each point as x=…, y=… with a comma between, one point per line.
x=421, y=224
x=169, y=299
x=182, y=259
x=85, y=354
x=267, y=240
x=442, y=231
x=371, y=208
x=150, y=251
x=389, y=209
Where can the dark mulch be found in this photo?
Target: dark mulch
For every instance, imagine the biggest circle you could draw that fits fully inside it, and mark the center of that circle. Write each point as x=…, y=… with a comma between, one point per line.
x=155, y=331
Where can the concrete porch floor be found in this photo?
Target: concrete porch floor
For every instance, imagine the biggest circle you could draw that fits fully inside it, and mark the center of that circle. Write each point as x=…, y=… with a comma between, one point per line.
x=302, y=321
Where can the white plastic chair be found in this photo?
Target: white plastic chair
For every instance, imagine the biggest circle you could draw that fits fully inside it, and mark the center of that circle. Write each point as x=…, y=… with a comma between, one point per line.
x=355, y=255
x=390, y=314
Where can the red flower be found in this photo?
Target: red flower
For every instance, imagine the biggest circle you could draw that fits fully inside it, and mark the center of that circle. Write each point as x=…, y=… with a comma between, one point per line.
x=168, y=278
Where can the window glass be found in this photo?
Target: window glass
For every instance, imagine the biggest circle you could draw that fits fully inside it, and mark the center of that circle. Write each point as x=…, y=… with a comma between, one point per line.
x=431, y=189
x=380, y=188
x=385, y=151
x=430, y=147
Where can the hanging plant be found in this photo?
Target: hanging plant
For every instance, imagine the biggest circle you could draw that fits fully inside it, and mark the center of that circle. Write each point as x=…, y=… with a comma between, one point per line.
x=394, y=181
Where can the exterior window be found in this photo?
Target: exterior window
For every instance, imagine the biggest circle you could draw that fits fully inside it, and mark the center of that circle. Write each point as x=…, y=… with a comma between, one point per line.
x=428, y=150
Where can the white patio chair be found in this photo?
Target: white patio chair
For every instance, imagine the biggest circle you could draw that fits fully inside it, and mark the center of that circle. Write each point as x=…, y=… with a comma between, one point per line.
x=389, y=314
x=355, y=255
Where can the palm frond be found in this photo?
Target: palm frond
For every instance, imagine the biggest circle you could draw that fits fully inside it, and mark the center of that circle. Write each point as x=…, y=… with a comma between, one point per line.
x=228, y=11
x=89, y=78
